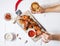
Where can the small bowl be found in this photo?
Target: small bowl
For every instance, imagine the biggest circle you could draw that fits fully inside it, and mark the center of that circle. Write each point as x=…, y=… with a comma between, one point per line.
x=10, y=36
x=31, y=30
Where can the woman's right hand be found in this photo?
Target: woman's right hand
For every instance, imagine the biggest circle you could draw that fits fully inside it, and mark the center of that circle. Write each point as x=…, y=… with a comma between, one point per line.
x=46, y=37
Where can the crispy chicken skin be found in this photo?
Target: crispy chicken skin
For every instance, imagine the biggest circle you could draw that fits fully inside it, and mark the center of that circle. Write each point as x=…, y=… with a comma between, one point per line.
x=24, y=17
x=29, y=23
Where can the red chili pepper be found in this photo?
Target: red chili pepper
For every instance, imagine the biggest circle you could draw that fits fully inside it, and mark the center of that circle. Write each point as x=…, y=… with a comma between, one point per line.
x=17, y=3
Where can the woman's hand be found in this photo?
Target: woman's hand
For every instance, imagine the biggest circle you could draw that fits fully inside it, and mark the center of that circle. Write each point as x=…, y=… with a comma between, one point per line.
x=37, y=12
x=36, y=8
x=46, y=37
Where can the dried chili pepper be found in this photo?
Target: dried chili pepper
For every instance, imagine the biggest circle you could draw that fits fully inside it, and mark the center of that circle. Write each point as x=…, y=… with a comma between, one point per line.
x=17, y=3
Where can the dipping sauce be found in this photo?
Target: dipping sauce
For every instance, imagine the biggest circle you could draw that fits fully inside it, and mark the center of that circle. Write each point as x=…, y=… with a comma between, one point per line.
x=31, y=33
x=8, y=36
x=8, y=16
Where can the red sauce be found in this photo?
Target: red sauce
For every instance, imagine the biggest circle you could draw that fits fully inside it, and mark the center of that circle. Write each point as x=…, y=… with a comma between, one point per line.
x=8, y=16
x=31, y=33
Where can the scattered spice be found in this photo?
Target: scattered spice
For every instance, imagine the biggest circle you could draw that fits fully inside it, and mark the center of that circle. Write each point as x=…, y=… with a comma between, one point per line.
x=20, y=38
x=8, y=16
x=26, y=41
x=17, y=35
x=14, y=22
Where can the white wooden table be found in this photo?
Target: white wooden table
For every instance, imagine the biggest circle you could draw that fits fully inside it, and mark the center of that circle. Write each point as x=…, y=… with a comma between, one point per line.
x=51, y=21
